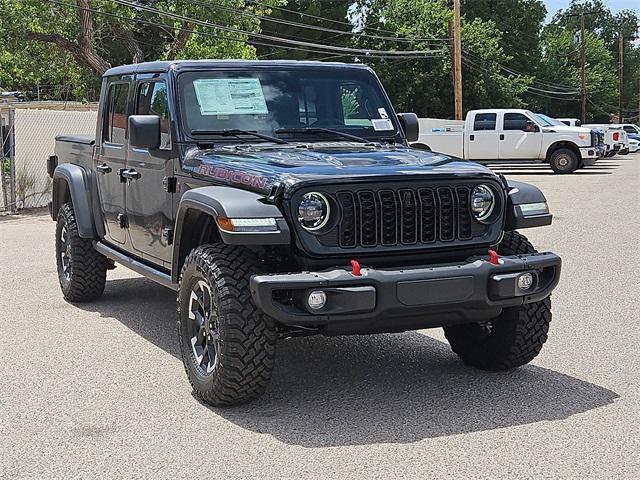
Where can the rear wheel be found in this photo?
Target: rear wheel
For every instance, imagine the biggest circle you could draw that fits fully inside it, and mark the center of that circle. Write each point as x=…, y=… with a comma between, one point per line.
x=564, y=160
x=227, y=344
x=82, y=271
x=512, y=339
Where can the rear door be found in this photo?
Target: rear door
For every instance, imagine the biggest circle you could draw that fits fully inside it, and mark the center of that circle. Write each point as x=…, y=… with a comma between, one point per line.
x=110, y=158
x=520, y=139
x=149, y=200
x=482, y=139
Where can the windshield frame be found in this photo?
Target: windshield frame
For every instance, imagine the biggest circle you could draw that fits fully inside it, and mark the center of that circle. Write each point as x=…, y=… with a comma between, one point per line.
x=396, y=135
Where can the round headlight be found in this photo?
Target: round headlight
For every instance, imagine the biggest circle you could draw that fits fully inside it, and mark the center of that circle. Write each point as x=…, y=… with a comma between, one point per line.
x=313, y=211
x=482, y=202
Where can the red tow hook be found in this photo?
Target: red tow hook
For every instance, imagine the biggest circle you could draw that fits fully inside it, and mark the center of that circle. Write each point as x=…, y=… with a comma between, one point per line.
x=355, y=268
x=493, y=257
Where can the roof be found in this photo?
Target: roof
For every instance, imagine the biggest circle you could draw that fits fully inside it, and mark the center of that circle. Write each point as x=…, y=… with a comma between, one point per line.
x=165, y=66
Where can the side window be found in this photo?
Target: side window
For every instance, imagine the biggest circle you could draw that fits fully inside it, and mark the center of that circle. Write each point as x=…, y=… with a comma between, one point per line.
x=115, y=122
x=484, y=121
x=152, y=100
x=515, y=121
x=629, y=129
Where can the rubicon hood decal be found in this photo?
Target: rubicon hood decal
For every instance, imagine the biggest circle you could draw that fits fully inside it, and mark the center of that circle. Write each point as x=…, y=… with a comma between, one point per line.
x=260, y=168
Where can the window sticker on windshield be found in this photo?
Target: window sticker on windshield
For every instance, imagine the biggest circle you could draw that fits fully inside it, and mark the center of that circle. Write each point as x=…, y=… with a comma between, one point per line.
x=230, y=96
x=381, y=124
x=383, y=113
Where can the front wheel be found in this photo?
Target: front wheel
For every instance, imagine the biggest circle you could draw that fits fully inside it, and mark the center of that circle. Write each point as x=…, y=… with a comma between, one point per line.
x=564, y=160
x=512, y=339
x=227, y=343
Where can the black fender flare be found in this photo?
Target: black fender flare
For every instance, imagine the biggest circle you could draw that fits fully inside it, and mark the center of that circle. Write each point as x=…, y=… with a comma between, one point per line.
x=229, y=202
x=71, y=179
x=521, y=193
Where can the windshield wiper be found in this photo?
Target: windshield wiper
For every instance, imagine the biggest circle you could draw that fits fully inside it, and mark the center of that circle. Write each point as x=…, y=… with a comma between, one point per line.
x=311, y=130
x=234, y=132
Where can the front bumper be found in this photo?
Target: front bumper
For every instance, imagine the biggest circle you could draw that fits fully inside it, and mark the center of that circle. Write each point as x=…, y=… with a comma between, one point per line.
x=591, y=154
x=403, y=299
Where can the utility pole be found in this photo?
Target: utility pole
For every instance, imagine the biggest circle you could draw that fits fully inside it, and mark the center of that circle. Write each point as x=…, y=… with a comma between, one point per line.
x=457, y=60
x=620, y=76
x=583, y=77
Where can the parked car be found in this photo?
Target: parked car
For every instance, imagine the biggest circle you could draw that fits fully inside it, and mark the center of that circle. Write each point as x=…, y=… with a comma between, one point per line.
x=614, y=137
x=634, y=145
x=281, y=199
x=633, y=131
x=512, y=135
x=12, y=97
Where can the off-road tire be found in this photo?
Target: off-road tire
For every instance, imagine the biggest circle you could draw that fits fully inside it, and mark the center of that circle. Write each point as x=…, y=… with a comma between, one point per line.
x=512, y=339
x=245, y=352
x=86, y=278
x=564, y=160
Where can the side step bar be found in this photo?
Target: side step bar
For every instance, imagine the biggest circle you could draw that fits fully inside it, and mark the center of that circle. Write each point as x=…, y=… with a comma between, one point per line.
x=139, y=267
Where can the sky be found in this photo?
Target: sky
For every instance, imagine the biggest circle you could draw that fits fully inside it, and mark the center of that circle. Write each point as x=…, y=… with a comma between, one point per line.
x=615, y=5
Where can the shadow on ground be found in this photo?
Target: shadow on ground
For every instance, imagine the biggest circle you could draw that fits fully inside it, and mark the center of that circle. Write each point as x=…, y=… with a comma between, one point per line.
x=364, y=390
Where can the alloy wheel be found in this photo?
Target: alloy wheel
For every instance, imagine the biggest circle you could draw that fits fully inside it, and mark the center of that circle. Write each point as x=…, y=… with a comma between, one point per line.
x=204, y=327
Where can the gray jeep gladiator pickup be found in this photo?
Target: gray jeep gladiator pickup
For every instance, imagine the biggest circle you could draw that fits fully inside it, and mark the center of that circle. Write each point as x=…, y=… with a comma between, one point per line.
x=280, y=199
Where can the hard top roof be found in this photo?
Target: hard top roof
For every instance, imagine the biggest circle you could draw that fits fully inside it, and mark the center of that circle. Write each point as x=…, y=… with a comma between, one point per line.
x=165, y=66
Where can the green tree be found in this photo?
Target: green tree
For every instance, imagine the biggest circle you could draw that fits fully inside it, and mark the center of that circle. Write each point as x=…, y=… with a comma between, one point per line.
x=76, y=42
x=331, y=14
x=606, y=27
x=425, y=85
x=561, y=65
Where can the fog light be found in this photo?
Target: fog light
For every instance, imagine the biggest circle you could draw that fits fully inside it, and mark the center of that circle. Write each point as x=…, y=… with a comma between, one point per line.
x=525, y=281
x=317, y=299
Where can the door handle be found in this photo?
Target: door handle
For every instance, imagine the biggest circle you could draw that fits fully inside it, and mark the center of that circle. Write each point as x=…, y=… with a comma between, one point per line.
x=129, y=174
x=103, y=169
x=502, y=136
x=471, y=138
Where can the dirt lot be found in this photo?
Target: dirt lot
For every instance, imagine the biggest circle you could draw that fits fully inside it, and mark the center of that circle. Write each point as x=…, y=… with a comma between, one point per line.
x=98, y=390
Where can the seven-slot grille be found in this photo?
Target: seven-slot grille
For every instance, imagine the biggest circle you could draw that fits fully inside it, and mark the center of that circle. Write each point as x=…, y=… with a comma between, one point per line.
x=403, y=216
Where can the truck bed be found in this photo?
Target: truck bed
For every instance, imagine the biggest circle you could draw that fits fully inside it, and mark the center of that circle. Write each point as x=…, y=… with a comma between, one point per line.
x=76, y=149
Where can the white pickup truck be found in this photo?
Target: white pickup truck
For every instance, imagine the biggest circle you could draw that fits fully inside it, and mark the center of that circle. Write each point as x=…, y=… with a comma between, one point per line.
x=506, y=135
x=615, y=138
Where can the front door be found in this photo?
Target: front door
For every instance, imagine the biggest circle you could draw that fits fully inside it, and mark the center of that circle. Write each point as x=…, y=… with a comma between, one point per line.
x=149, y=202
x=110, y=158
x=519, y=138
x=482, y=141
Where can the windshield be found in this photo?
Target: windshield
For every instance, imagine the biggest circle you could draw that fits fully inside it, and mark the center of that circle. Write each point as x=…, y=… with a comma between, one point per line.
x=548, y=121
x=284, y=103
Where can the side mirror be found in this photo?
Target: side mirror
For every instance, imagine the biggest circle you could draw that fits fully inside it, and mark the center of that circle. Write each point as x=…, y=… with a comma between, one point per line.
x=144, y=131
x=409, y=125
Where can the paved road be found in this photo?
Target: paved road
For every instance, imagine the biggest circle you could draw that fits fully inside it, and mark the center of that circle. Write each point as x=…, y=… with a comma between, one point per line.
x=98, y=390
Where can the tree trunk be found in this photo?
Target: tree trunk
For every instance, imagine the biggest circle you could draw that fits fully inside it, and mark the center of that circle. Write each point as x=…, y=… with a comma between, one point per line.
x=180, y=41
x=83, y=48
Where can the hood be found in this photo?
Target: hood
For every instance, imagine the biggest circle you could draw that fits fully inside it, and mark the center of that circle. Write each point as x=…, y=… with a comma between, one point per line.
x=259, y=167
x=568, y=129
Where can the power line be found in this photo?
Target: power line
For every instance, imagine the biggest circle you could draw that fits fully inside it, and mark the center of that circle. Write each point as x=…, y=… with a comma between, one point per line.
x=372, y=54
x=532, y=90
x=283, y=21
x=316, y=17
x=328, y=48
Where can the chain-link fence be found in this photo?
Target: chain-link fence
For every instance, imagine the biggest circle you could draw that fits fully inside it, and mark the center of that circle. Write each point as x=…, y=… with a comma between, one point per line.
x=28, y=132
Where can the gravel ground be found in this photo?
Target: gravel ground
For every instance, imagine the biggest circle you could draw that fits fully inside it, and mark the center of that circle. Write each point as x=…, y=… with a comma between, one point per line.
x=98, y=390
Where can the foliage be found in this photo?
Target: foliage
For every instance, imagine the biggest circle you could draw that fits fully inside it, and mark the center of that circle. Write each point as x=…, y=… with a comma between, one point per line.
x=44, y=43
x=47, y=44
x=425, y=85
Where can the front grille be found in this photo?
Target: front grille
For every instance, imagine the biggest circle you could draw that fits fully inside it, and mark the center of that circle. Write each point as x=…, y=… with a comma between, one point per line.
x=405, y=216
